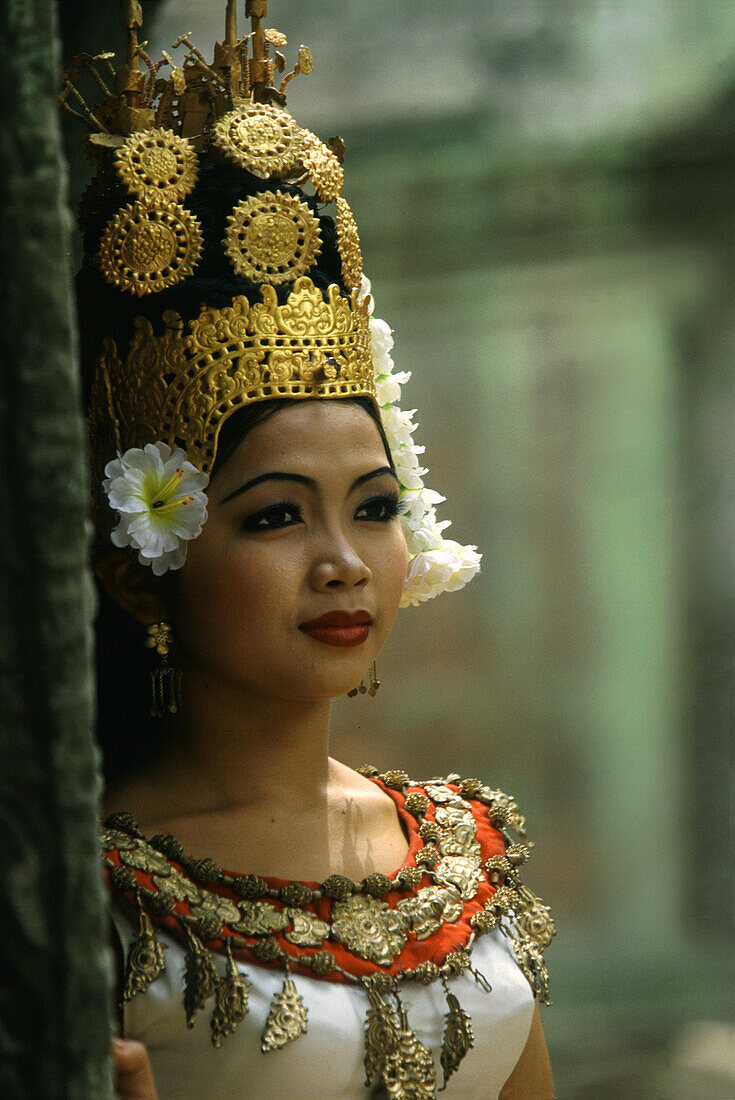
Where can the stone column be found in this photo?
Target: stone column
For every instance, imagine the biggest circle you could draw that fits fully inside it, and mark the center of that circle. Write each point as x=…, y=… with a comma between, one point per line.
x=54, y=1004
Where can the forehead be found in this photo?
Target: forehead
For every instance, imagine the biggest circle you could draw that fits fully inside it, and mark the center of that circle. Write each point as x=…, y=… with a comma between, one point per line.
x=305, y=436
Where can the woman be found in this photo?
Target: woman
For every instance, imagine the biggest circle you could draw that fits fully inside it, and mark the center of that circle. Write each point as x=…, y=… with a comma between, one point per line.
x=268, y=517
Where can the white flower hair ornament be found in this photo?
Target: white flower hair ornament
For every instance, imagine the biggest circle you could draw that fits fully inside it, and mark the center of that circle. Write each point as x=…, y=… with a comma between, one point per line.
x=435, y=564
x=160, y=499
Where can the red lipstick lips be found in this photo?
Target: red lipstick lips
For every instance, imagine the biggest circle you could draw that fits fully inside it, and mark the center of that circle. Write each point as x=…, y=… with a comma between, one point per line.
x=339, y=628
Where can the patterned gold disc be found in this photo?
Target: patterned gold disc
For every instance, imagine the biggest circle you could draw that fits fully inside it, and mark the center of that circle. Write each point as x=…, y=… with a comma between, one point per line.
x=349, y=245
x=144, y=250
x=326, y=173
x=260, y=138
x=272, y=237
x=157, y=165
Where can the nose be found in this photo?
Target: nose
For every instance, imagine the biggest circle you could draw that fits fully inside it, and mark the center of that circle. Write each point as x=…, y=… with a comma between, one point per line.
x=339, y=566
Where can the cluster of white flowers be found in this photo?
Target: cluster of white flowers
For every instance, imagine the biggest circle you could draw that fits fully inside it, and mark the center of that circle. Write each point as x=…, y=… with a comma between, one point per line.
x=436, y=564
x=160, y=499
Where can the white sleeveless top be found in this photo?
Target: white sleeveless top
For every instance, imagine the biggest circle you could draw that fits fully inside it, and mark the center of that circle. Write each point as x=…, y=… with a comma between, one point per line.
x=326, y=1063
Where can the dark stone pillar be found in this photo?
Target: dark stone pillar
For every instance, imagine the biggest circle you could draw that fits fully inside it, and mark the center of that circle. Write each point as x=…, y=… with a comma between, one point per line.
x=54, y=985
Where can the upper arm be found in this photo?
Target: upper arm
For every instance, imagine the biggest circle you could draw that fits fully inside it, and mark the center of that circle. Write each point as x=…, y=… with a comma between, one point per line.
x=531, y=1079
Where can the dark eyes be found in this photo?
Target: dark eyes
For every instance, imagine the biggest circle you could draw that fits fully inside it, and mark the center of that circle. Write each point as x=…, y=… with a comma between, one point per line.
x=378, y=509
x=273, y=518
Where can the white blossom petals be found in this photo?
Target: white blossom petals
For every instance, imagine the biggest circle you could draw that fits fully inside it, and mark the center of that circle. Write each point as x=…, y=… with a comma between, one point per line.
x=160, y=501
x=445, y=569
x=435, y=564
x=364, y=292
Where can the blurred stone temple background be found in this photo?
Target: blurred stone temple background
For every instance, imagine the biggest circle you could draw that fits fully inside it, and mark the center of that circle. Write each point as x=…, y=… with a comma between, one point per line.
x=544, y=190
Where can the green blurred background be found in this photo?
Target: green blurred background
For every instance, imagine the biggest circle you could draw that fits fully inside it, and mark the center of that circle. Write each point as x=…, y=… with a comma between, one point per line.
x=544, y=190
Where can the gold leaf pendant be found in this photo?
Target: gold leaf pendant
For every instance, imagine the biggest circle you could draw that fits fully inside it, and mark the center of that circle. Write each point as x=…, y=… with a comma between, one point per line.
x=458, y=1037
x=411, y=1073
x=534, y=918
x=286, y=1019
x=531, y=962
x=145, y=960
x=381, y=1036
x=200, y=978
x=231, y=1005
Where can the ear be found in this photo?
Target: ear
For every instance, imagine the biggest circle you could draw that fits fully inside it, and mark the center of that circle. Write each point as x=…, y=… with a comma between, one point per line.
x=131, y=585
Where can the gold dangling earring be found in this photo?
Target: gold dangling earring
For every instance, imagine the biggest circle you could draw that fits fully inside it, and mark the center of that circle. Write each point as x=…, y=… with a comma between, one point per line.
x=165, y=681
x=362, y=689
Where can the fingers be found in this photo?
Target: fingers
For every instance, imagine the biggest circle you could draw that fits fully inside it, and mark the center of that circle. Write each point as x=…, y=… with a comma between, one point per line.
x=133, y=1070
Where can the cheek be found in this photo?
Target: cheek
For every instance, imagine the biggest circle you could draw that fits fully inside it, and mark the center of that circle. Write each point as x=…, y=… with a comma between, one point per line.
x=224, y=599
x=392, y=573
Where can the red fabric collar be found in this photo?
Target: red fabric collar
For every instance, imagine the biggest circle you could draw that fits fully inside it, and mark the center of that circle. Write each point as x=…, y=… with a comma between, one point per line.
x=449, y=937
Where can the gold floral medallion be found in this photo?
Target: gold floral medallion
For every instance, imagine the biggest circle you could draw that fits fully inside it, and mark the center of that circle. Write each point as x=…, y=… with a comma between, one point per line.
x=535, y=920
x=181, y=887
x=349, y=245
x=306, y=929
x=259, y=919
x=505, y=807
x=324, y=168
x=262, y=139
x=272, y=236
x=144, y=858
x=143, y=250
x=220, y=907
x=461, y=872
x=369, y=928
x=157, y=165
x=430, y=909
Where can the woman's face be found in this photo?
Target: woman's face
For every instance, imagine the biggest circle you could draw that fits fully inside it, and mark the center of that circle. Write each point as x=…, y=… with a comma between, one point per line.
x=302, y=523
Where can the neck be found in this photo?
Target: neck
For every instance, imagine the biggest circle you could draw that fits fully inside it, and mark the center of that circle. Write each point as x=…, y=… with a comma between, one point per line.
x=231, y=748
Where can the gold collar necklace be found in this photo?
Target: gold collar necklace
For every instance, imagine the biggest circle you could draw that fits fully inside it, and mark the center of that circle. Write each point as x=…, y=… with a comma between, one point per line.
x=458, y=881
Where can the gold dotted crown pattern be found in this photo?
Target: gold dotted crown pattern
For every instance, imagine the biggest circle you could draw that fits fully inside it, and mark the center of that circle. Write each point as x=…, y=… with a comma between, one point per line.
x=272, y=236
x=157, y=165
x=144, y=249
x=180, y=387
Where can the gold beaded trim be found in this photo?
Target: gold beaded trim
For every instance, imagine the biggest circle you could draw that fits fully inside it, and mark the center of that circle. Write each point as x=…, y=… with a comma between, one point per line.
x=262, y=139
x=229, y=357
x=272, y=237
x=349, y=245
x=325, y=170
x=157, y=166
x=144, y=250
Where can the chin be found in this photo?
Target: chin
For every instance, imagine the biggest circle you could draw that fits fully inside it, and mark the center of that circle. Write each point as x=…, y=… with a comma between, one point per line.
x=332, y=687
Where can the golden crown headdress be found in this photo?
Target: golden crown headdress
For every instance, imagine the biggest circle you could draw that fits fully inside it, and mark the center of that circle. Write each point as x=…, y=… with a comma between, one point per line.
x=160, y=128
x=202, y=196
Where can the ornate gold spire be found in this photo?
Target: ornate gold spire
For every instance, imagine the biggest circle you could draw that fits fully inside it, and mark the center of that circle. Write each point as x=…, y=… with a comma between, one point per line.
x=197, y=92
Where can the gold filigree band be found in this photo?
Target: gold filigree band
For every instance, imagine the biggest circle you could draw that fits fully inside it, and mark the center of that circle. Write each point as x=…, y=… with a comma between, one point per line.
x=324, y=168
x=179, y=387
x=349, y=245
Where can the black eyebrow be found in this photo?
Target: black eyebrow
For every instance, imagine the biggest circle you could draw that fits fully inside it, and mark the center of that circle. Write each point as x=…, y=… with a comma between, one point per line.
x=277, y=475
x=374, y=473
